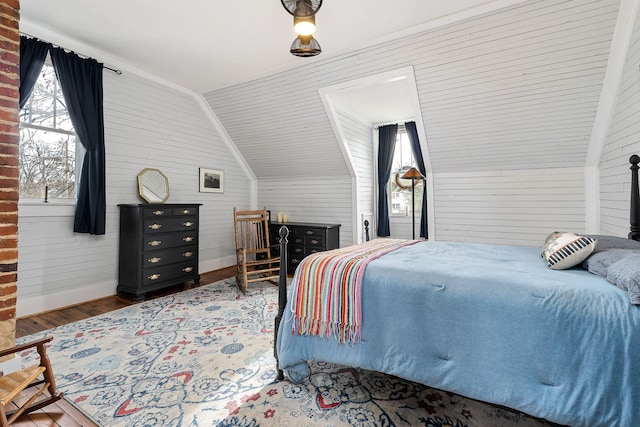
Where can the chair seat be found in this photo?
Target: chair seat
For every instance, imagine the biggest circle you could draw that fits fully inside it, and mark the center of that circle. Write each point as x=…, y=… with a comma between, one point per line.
x=12, y=384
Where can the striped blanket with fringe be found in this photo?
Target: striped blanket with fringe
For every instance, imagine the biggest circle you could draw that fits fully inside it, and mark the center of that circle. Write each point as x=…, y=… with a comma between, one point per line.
x=326, y=294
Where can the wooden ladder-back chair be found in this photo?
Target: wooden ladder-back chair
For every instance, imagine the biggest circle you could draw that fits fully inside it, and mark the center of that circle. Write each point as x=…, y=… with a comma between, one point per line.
x=38, y=376
x=255, y=262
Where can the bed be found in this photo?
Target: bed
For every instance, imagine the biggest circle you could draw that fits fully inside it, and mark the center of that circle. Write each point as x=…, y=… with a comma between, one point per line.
x=490, y=322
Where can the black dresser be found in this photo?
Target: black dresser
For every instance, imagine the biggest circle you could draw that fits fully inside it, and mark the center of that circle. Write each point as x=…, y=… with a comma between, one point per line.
x=158, y=247
x=305, y=238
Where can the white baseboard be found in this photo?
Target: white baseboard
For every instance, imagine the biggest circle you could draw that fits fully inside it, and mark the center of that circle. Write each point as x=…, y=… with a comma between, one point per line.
x=216, y=264
x=30, y=305
x=27, y=306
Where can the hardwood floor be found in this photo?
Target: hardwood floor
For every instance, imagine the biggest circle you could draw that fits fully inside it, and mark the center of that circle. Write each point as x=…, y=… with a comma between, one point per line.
x=62, y=413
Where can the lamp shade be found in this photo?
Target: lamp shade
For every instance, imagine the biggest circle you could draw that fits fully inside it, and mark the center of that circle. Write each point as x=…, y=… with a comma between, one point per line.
x=412, y=173
x=305, y=46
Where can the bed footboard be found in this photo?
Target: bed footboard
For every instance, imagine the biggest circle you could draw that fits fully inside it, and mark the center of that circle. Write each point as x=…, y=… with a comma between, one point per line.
x=282, y=293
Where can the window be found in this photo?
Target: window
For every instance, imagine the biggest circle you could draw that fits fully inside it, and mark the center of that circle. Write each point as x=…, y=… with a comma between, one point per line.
x=400, y=189
x=48, y=148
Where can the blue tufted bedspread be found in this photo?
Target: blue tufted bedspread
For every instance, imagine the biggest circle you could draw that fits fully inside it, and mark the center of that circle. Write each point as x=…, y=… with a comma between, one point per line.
x=493, y=323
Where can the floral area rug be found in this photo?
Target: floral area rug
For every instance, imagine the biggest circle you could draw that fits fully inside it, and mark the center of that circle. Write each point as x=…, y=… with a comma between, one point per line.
x=203, y=357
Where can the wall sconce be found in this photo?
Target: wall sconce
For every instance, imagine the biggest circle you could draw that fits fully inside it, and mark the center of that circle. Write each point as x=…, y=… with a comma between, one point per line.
x=304, y=24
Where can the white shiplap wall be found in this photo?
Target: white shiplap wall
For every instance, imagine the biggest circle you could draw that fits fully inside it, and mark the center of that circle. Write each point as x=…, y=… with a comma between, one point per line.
x=508, y=207
x=147, y=124
x=622, y=141
x=304, y=200
x=514, y=89
x=358, y=137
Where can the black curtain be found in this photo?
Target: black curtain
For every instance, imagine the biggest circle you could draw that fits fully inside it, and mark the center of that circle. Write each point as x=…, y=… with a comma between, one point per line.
x=32, y=55
x=81, y=84
x=412, y=133
x=386, y=146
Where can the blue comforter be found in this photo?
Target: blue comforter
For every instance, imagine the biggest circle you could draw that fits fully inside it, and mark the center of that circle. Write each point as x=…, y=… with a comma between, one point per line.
x=493, y=323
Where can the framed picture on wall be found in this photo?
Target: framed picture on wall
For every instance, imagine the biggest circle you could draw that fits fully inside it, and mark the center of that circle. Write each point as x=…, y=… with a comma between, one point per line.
x=211, y=181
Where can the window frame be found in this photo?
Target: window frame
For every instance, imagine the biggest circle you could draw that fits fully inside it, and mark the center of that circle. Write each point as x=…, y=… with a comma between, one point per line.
x=56, y=206
x=418, y=185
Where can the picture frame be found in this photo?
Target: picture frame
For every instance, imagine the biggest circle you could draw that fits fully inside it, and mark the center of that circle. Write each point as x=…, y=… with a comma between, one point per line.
x=211, y=181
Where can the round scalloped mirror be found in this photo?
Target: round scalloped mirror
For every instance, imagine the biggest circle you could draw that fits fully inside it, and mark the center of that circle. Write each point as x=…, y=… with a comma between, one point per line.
x=153, y=185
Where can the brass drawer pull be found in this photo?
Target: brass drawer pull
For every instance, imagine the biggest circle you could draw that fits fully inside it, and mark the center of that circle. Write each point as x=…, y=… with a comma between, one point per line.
x=298, y=250
x=309, y=233
x=155, y=226
x=187, y=254
x=158, y=213
x=188, y=239
x=295, y=261
x=154, y=276
x=155, y=243
x=154, y=260
x=187, y=224
x=185, y=211
x=314, y=242
x=187, y=269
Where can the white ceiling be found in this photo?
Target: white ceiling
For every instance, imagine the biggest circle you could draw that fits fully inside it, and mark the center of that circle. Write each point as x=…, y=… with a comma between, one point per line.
x=203, y=45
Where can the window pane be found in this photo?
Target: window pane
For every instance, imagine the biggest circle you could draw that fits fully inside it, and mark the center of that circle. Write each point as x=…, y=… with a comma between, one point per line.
x=46, y=106
x=47, y=142
x=400, y=189
x=47, y=160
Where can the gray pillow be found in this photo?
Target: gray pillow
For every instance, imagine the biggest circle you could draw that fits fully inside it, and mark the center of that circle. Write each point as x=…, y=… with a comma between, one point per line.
x=620, y=267
x=613, y=242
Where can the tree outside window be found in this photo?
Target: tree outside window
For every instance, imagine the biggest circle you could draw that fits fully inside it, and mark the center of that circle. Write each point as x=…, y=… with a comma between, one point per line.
x=47, y=143
x=400, y=189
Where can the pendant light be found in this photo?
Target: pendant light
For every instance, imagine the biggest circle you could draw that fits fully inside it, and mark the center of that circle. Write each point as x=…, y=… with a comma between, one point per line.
x=304, y=24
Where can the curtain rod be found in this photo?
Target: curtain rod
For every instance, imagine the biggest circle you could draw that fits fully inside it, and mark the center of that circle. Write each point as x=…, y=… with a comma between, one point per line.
x=395, y=122
x=115, y=70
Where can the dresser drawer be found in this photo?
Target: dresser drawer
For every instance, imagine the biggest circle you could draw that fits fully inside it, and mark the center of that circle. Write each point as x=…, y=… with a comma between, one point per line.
x=168, y=256
x=305, y=239
x=161, y=225
x=296, y=251
x=314, y=242
x=158, y=247
x=171, y=272
x=157, y=212
x=161, y=241
x=184, y=211
x=310, y=232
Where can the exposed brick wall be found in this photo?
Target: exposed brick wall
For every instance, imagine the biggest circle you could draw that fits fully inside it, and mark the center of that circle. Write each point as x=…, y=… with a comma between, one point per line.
x=9, y=143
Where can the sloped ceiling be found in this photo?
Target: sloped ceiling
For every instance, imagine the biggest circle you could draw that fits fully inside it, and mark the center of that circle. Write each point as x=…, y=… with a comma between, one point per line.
x=516, y=88
x=502, y=84
x=204, y=45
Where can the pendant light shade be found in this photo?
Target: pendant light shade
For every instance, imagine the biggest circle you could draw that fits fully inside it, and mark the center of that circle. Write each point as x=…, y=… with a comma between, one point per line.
x=304, y=24
x=305, y=46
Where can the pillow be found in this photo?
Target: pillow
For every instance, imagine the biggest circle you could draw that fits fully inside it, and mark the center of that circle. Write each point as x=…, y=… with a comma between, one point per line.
x=620, y=267
x=613, y=242
x=564, y=250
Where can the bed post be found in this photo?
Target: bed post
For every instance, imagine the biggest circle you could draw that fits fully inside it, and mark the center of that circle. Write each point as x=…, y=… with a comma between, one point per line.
x=634, y=216
x=366, y=230
x=282, y=294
